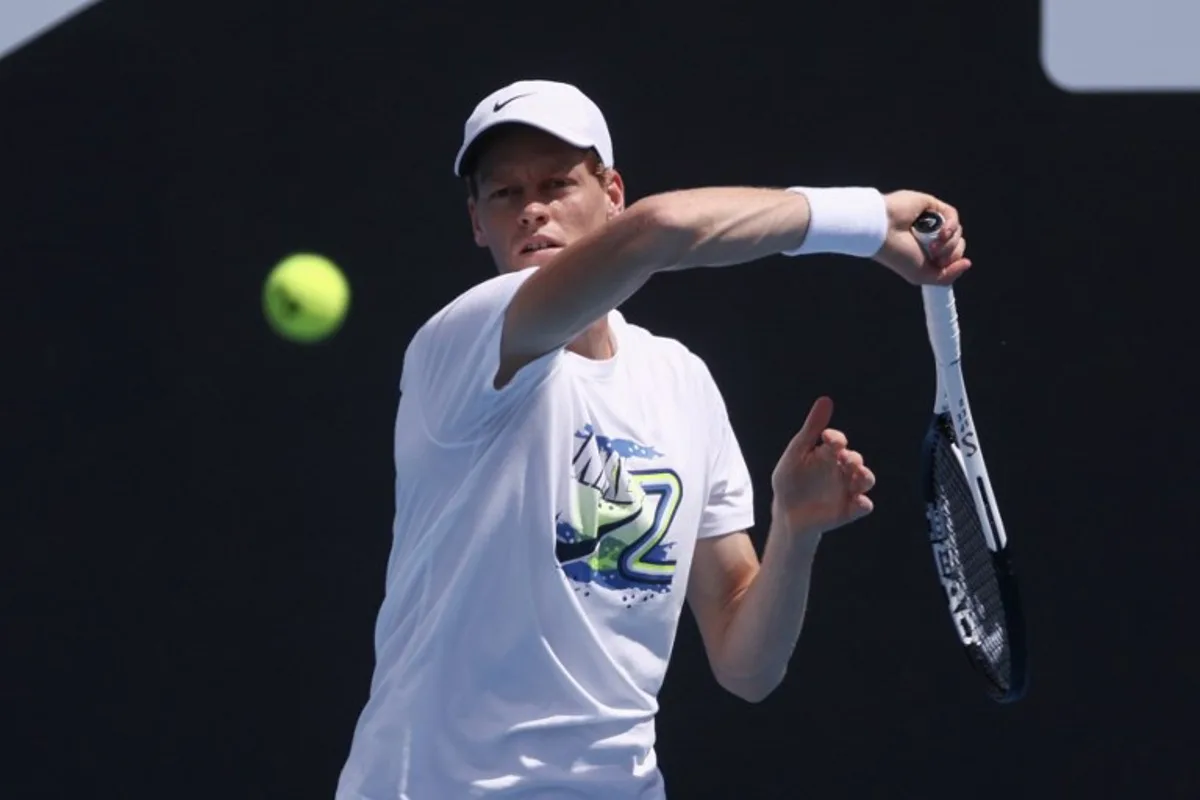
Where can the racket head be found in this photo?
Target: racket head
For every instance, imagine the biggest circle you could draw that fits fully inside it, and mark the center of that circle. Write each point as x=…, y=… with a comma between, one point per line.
x=978, y=584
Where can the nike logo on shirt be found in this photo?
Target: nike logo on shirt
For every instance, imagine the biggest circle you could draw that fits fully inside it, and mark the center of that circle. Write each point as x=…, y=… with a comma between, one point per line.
x=569, y=551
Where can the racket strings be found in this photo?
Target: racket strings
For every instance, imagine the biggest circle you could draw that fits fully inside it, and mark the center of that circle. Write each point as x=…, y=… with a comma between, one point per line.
x=967, y=554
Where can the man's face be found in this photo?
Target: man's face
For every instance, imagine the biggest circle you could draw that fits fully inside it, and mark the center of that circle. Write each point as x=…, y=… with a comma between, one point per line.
x=536, y=195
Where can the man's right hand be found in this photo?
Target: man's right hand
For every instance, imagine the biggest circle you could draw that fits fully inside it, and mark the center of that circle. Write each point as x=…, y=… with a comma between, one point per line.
x=903, y=254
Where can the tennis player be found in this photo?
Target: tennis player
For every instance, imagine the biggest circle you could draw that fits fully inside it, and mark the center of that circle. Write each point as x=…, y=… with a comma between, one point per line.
x=564, y=477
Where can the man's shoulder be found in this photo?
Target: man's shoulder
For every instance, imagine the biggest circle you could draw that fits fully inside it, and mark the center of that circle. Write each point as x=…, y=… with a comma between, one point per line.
x=462, y=323
x=663, y=346
x=468, y=311
x=669, y=352
x=485, y=296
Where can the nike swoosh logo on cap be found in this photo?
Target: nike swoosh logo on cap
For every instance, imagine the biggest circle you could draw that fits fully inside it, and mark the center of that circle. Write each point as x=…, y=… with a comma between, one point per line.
x=499, y=105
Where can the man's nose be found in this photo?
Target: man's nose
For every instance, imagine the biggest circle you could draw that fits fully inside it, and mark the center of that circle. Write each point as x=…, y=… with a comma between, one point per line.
x=535, y=213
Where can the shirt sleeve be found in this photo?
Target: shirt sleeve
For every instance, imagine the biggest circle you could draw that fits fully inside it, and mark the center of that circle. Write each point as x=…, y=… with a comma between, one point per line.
x=729, y=506
x=450, y=364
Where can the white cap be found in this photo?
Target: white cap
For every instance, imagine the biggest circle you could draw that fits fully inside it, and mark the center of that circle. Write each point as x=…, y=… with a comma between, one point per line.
x=559, y=109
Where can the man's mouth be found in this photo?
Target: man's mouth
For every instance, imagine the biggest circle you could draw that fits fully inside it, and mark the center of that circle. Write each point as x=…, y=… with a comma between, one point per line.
x=535, y=246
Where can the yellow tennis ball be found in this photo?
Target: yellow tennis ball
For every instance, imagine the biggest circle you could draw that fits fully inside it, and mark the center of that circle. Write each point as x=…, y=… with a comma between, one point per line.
x=305, y=298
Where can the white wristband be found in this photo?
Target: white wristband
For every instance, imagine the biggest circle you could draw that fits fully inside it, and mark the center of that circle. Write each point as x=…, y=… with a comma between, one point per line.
x=850, y=220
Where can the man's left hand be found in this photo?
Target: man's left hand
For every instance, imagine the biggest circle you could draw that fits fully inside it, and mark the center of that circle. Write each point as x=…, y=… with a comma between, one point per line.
x=820, y=483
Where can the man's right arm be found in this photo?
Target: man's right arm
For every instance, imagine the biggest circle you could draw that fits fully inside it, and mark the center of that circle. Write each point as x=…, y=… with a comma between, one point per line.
x=710, y=227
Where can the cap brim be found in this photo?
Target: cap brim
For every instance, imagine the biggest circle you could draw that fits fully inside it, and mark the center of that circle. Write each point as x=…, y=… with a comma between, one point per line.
x=573, y=138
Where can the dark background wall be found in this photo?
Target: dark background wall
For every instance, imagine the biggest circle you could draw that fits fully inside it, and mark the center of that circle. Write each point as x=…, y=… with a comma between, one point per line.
x=196, y=514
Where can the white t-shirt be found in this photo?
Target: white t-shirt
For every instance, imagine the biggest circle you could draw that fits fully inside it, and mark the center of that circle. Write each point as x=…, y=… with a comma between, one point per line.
x=543, y=538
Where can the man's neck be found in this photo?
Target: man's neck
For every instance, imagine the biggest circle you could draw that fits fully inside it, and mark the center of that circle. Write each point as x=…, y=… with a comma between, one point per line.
x=596, y=342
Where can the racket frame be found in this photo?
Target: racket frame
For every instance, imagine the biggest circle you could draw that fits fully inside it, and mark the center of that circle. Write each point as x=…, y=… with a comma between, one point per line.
x=952, y=407
x=941, y=319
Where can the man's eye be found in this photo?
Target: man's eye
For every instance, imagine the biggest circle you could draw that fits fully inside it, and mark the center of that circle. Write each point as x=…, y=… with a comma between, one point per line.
x=502, y=192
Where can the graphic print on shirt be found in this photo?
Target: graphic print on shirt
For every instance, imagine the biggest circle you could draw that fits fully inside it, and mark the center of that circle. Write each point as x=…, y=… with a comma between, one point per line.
x=614, y=533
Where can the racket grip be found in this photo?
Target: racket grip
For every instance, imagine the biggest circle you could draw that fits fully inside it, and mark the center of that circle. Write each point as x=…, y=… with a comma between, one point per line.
x=926, y=229
x=941, y=315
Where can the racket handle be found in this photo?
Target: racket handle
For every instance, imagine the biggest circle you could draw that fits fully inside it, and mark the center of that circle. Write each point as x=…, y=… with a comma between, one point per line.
x=941, y=315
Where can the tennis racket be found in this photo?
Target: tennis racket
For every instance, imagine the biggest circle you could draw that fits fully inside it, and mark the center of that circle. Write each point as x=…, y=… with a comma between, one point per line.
x=970, y=548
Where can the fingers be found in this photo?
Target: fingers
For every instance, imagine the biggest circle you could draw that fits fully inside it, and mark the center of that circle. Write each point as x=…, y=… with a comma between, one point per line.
x=958, y=251
x=951, y=232
x=835, y=446
x=949, y=244
x=834, y=439
x=948, y=252
x=860, y=506
x=950, y=218
x=862, y=480
x=947, y=255
x=952, y=272
x=859, y=481
x=814, y=425
x=858, y=477
x=849, y=460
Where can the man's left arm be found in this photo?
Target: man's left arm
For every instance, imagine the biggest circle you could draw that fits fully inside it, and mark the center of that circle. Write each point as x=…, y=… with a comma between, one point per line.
x=750, y=614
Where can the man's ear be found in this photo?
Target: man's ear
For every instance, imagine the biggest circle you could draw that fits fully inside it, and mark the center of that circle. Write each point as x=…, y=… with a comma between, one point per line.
x=476, y=229
x=615, y=189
